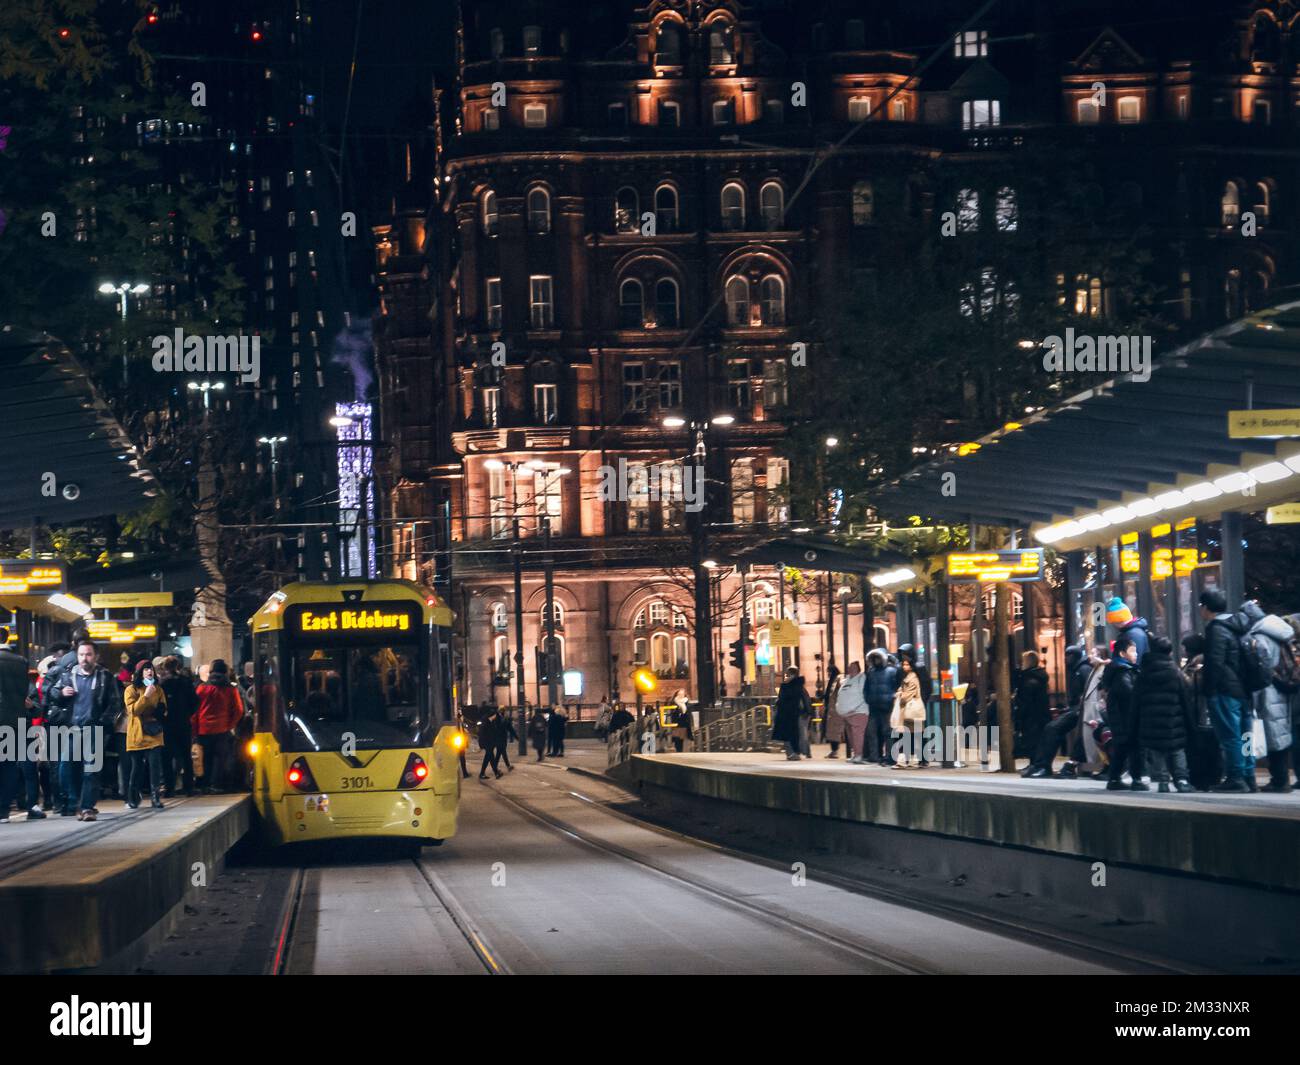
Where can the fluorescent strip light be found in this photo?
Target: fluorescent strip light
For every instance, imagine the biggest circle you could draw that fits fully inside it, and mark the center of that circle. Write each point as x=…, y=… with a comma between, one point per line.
x=1142, y=507
x=1115, y=515
x=1201, y=491
x=70, y=603
x=1170, y=500
x=1233, y=482
x=1070, y=528
x=1293, y=461
x=1269, y=472
x=1093, y=522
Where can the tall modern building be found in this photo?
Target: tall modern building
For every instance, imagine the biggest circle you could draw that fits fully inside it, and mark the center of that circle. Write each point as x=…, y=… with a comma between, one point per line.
x=643, y=219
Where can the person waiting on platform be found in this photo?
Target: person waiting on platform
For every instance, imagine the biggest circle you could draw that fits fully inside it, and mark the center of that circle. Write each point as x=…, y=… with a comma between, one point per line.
x=1077, y=672
x=851, y=708
x=793, y=712
x=878, y=689
x=537, y=731
x=1166, y=716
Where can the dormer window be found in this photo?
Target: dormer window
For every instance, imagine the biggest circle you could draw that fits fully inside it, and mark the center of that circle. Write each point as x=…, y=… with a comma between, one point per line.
x=971, y=44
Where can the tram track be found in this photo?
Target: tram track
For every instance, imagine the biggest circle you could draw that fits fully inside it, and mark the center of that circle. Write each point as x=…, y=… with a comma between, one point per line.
x=1033, y=934
x=896, y=962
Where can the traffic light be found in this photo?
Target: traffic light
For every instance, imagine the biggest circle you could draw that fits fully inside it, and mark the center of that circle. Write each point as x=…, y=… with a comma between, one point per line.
x=738, y=655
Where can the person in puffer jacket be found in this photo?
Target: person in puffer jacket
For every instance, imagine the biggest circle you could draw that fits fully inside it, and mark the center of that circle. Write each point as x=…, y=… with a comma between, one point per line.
x=1134, y=629
x=1271, y=705
x=219, y=712
x=1166, y=717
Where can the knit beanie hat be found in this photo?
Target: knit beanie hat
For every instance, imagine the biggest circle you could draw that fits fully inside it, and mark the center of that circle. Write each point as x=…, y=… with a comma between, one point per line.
x=1118, y=613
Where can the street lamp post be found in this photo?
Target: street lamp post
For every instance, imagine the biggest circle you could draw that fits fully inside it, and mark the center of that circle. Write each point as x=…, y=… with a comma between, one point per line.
x=699, y=430
x=120, y=290
x=273, y=442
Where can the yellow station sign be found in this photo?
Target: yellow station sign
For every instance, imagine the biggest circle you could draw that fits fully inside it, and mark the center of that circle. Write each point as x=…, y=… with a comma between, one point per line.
x=783, y=633
x=109, y=600
x=118, y=632
x=1282, y=421
x=1283, y=514
x=21, y=577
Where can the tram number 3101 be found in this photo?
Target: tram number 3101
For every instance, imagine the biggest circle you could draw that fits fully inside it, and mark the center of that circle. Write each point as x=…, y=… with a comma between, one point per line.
x=352, y=783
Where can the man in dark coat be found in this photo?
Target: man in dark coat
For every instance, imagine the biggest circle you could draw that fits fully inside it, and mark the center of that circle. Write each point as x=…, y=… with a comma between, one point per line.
x=1077, y=671
x=1224, y=693
x=793, y=710
x=1030, y=705
x=878, y=689
x=491, y=737
x=1120, y=679
x=1165, y=716
x=84, y=696
x=17, y=775
x=555, y=731
x=181, y=705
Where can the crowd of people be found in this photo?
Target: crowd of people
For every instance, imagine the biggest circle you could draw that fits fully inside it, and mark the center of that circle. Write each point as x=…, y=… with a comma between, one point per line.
x=169, y=732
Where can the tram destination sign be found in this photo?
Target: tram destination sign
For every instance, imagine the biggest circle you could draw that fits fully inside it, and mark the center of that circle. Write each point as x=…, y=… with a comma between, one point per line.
x=349, y=620
x=969, y=567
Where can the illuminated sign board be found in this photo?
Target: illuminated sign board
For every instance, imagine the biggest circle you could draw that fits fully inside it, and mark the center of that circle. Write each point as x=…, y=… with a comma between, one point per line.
x=353, y=619
x=993, y=566
x=1283, y=514
x=116, y=632
x=23, y=577
x=1182, y=563
x=109, y=600
x=572, y=682
x=783, y=633
x=1243, y=424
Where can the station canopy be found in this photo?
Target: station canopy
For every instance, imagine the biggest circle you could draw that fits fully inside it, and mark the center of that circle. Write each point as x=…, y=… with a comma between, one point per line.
x=1128, y=455
x=54, y=422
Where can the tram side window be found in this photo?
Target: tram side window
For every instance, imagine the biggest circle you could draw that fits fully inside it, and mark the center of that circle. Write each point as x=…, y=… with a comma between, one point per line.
x=267, y=693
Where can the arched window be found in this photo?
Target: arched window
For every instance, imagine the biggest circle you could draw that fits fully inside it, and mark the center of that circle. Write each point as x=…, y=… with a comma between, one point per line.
x=667, y=308
x=1262, y=203
x=771, y=205
x=720, y=44
x=1230, y=204
x=772, y=295
x=668, y=44
x=881, y=634
x=489, y=206
x=499, y=616
x=559, y=615
x=640, y=651
x=639, y=624
x=733, y=206
x=627, y=214
x=737, y=293
x=1007, y=212
x=681, y=656
x=631, y=304
x=661, y=650
x=665, y=209
x=500, y=655
x=539, y=211
x=864, y=203
x=968, y=211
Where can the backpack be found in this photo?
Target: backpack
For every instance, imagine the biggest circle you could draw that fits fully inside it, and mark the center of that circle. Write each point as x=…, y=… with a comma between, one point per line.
x=1254, y=673
x=1286, y=674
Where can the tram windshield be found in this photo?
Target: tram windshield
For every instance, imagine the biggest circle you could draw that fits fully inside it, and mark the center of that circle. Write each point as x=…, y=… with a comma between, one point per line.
x=370, y=691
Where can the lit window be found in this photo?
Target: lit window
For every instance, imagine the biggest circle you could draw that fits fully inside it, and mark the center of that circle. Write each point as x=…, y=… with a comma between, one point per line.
x=737, y=296
x=733, y=206
x=500, y=522
x=1129, y=108
x=1182, y=107
x=772, y=294
x=968, y=211
x=668, y=44
x=539, y=211
x=492, y=303
x=742, y=491
x=976, y=114
x=627, y=215
x=1008, y=214
x=535, y=116
x=546, y=494
x=1230, y=204
x=898, y=110
x=775, y=384
x=778, y=478
x=771, y=205
x=541, y=302
x=491, y=407
x=491, y=118
x=970, y=44
x=864, y=203
x=638, y=507
x=720, y=46
x=670, y=385
x=739, y=389
x=490, y=218
x=1087, y=111
x=665, y=209
x=634, y=392
x=859, y=108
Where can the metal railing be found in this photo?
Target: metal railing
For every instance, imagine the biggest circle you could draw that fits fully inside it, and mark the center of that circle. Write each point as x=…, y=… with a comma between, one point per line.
x=748, y=730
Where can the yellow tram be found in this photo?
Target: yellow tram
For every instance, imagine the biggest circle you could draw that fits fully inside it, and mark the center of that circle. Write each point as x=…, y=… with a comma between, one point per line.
x=354, y=735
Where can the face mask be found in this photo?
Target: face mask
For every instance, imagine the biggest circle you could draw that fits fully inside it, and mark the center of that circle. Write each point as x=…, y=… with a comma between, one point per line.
x=148, y=682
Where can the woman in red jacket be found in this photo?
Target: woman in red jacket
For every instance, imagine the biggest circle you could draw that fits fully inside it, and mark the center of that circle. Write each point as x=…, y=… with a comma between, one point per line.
x=220, y=709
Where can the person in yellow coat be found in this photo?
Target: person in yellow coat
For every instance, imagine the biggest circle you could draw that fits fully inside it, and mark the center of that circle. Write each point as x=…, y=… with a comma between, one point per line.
x=146, y=709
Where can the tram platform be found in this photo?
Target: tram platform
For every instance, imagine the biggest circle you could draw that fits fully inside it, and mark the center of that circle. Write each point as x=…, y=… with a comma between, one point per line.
x=1226, y=867
x=77, y=896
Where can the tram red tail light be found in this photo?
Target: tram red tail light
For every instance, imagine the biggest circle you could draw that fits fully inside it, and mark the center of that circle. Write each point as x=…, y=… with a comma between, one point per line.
x=415, y=773
x=299, y=776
